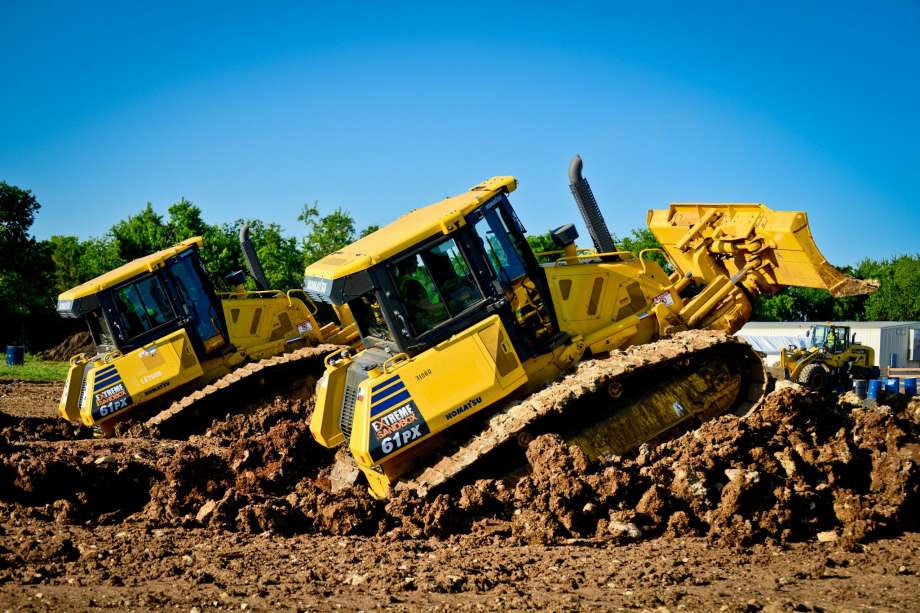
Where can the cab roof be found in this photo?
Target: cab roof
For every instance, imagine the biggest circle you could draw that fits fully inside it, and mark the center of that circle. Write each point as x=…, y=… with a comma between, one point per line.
x=132, y=269
x=410, y=229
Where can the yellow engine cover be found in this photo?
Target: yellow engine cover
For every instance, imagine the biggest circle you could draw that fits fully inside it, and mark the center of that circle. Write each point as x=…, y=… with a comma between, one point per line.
x=425, y=394
x=112, y=384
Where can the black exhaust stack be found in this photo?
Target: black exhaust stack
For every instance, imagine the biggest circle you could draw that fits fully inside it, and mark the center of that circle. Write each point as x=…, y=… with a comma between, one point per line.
x=590, y=212
x=252, y=260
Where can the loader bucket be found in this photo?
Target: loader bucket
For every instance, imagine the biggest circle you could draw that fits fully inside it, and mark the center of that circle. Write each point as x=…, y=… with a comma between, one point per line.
x=750, y=238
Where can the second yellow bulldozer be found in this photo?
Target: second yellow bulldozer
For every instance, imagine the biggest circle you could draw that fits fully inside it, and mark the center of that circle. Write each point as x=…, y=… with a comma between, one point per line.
x=162, y=333
x=467, y=337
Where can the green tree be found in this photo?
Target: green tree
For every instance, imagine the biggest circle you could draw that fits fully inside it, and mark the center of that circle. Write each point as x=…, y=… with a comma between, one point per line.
x=67, y=255
x=369, y=230
x=327, y=233
x=642, y=238
x=140, y=234
x=77, y=261
x=26, y=271
x=100, y=255
x=898, y=298
x=542, y=243
x=17, y=213
x=281, y=259
x=796, y=304
x=221, y=253
x=184, y=222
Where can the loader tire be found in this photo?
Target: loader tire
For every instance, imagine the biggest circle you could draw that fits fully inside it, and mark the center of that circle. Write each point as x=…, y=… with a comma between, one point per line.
x=815, y=376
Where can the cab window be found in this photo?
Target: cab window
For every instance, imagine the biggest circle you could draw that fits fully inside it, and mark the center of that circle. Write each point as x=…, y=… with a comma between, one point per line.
x=369, y=317
x=140, y=307
x=194, y=297
x=503, y=255
x=830, y=338
x=435, y=285
x=99, y=329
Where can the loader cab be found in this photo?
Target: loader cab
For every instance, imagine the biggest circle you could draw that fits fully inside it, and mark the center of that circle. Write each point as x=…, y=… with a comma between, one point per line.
x=832, y=339
x=149, y=298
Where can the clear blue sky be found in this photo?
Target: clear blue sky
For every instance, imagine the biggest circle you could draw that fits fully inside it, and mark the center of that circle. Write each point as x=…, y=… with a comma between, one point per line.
x=254, y=109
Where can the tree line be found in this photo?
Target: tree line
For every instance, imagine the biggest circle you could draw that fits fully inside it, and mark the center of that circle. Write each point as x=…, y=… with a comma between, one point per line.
x=33, y=272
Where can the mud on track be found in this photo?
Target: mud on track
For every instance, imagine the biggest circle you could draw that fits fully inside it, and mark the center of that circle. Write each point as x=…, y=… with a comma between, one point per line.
x=240, y=510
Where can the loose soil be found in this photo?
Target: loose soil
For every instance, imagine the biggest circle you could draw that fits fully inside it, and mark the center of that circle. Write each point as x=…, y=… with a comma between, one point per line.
x=75, y=344
x=810, y=502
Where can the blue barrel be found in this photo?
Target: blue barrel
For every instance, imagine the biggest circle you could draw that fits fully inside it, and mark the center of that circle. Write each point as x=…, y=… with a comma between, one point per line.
x=910, y=386
x=15, y=355
x=874, y=386
x=859, y=387
x=892, y=385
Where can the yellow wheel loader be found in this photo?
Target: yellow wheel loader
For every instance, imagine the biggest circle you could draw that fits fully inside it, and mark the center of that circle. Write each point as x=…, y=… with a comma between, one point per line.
x=470, y=344
x=162, y=333
x=832, y=357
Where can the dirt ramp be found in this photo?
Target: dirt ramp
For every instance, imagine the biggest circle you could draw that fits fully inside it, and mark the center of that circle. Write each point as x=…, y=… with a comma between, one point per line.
x=802, y=467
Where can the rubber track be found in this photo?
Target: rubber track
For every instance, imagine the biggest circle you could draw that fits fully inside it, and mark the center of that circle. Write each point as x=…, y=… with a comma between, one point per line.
x=234, y=377
x=589, y=377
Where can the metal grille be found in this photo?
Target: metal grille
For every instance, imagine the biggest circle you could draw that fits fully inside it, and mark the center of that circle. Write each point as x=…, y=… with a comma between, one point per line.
x=83, y=390
x=348, y=411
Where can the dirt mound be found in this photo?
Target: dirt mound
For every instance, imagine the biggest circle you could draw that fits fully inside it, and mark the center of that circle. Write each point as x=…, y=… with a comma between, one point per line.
x=39, y=429
x=71, y=482
x=81, y=342
x=802, y=466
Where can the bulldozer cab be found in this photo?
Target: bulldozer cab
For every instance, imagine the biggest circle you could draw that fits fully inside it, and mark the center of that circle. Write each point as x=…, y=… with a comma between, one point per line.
x=443, y=284
x=148, y=298
x=832, y=339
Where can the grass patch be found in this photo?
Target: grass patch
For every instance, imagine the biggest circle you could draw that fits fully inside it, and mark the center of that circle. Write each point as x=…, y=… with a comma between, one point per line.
x=34, y=370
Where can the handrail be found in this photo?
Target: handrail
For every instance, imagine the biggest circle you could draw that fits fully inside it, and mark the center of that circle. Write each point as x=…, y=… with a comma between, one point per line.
x=109, y=356
x=565, y=259
x=906, y=370
x=395, y=362
x=250, y=292
x=586, y=250
x=307, y=300
x=327, y=361
x=662, y=252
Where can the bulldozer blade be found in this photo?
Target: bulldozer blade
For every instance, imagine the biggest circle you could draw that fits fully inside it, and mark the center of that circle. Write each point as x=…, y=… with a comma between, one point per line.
x=773, y=249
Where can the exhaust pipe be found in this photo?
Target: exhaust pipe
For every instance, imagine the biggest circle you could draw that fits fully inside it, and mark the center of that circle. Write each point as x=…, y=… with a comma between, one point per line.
x=252, y=260
x=588, y=208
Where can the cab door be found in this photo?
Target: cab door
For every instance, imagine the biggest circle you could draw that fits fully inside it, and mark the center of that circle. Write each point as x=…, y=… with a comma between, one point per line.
x=514, y=269
x=199, y=304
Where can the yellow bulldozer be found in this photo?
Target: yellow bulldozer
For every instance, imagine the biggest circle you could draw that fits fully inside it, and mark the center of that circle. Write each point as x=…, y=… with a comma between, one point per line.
x=470, y=344
x=831, y=357
x=163, y=334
